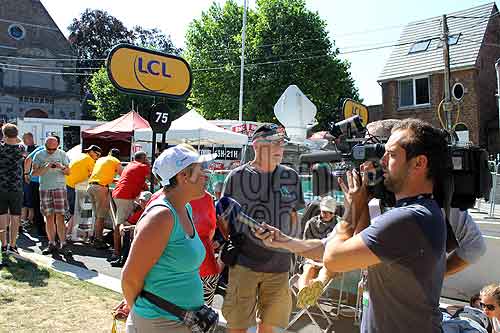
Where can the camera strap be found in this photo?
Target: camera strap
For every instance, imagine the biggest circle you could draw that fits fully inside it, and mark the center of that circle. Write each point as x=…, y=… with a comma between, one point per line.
x=164, y=304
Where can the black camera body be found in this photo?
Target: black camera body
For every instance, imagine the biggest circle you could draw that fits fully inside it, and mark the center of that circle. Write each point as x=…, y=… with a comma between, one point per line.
x=470, y=176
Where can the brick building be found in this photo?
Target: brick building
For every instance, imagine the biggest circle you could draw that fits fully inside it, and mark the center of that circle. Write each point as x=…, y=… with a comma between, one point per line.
x=413, y=78
x=31, y=45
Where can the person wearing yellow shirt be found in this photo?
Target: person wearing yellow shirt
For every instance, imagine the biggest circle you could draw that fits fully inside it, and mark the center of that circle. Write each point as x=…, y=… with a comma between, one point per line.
x=103, y=174
x=80, y=170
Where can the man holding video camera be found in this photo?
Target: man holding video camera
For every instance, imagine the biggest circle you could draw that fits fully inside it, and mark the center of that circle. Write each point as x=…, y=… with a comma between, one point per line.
x=404, y=248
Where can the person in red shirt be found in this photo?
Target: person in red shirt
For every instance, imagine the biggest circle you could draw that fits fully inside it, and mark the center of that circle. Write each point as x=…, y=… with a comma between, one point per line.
x=132, y=181
x=127, y=232
x=205, y=223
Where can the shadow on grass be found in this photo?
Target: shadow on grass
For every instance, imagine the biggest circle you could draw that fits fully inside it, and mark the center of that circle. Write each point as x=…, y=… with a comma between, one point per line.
x=26, y=272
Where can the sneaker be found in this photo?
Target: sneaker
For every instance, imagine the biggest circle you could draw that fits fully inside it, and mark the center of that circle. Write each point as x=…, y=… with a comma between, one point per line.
x=13, y=249
x=4, y=249
x=100, y=244
x=51, y=249
x=114, y=257
x=308, y=296
x=117, y=263
x=64, y=250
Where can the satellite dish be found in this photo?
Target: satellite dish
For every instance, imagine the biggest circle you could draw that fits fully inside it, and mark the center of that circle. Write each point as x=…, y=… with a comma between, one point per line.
x=295, y=111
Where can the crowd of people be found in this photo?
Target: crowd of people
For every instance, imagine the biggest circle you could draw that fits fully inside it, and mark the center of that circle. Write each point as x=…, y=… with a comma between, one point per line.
x=175, y=250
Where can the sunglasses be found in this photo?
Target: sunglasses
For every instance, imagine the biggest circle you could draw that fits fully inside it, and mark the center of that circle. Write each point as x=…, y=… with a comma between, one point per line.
x=489, y=307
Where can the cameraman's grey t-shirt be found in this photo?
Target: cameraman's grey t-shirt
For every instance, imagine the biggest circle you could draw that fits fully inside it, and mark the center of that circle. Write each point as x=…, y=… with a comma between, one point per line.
x=410, y=241
x=270, y=198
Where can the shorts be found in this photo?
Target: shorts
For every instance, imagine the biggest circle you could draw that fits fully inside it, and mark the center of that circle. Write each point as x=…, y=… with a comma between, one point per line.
x=27, y=195
x=251, y=295
x=138, y=324
x=71, y=199
x=54, y=201
x=124, y=208
x=99, y=195
x=11, y=203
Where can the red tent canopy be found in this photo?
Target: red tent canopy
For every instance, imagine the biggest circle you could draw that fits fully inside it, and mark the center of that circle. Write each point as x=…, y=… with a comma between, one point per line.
x=120, y=129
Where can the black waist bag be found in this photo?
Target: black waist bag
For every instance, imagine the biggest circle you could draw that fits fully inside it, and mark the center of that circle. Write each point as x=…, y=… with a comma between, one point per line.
x=203, y=320
x=231, y=249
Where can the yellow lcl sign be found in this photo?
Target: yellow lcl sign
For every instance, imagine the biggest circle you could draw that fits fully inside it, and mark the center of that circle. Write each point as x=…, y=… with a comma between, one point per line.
x=353, y=108
x=141, y=71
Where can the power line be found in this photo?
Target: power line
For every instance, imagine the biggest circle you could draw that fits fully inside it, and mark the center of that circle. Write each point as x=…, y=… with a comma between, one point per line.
x=48, y=67
x=43, y=72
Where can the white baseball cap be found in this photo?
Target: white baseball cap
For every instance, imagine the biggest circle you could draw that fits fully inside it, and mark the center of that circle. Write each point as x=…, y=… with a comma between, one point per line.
x=174, y=159
x=328, y=204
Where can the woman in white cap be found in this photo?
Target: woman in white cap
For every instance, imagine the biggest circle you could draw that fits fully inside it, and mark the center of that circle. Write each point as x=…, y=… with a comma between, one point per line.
x=166, y=252
x=315, y=276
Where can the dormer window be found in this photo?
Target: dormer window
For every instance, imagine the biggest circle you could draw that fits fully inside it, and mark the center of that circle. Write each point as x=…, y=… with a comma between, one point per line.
x=420, y=46
x=452, y=40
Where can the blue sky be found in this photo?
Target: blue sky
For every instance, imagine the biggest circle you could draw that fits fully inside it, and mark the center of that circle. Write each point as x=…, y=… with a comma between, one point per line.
x=353, y=24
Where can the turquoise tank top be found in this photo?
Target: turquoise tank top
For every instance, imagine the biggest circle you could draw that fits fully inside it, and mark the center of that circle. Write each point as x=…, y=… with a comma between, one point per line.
x=175, y=277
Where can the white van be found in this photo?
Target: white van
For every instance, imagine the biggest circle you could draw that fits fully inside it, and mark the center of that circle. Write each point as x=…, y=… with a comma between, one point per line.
x=68, y=130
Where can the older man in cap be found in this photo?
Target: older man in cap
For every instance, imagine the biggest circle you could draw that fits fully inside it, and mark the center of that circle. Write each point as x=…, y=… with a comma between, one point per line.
x=269, y=192
x=51, y=165
x=80, y=171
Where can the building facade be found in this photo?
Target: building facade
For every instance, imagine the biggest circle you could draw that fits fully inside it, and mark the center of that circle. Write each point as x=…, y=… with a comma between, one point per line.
x=32, y=49
x=413, y=78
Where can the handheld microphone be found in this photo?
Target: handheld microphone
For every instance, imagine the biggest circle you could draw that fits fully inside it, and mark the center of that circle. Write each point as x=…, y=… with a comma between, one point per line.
x=230, y=209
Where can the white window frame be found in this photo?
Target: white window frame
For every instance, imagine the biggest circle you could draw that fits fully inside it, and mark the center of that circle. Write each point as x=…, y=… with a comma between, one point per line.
x=414, y=92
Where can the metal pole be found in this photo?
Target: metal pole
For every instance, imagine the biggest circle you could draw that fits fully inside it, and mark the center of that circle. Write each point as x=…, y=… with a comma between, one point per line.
x=493, y=192
x=446, y=58
x=242, y=69
x=497, y=68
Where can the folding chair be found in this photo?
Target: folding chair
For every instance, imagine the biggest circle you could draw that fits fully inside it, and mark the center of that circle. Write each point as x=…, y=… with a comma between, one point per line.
x=293, y=283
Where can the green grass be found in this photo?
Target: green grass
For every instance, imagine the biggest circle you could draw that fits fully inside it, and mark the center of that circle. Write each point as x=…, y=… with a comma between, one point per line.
x=35, y=299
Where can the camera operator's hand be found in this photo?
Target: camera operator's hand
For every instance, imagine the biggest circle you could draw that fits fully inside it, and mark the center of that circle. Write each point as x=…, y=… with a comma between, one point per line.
x=271, y=236
x=356, y=195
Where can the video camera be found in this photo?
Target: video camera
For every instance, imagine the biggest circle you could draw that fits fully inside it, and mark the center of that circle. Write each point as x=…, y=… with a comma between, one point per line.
x=470, y=176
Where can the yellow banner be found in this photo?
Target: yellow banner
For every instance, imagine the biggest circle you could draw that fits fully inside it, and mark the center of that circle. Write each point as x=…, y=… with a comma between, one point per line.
x=142, y=71
x=352, y=108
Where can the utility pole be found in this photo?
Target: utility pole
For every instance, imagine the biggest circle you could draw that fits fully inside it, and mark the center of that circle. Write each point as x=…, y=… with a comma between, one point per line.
x=242, y=69
x=446, y=58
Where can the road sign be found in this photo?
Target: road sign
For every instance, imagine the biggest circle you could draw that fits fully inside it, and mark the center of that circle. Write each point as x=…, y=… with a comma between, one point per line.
x=160, y=119
x=141, y=71
x=353, y=108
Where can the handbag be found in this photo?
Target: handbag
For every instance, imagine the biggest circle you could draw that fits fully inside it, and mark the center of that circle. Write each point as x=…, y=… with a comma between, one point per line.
x=203, y=320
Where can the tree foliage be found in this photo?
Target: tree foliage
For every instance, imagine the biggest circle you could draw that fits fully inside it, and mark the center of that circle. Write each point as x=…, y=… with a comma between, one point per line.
x=109, y=103
x=285, y=44
x=93, y=35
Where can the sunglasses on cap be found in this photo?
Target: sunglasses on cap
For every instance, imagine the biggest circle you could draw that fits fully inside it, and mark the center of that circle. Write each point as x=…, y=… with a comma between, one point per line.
x=489, y=307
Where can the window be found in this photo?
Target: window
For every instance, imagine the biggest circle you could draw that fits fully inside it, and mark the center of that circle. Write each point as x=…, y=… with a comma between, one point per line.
x=420, y=46
x=452, y=40
x=413, y=92
x=16, y=31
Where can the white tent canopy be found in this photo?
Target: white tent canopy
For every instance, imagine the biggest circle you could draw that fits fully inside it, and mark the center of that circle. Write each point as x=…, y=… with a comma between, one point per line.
x=194, y=129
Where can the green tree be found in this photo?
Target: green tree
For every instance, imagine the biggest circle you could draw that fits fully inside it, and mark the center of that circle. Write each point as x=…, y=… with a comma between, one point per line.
x=109, y=103
x=93, y=35
x=286, y=44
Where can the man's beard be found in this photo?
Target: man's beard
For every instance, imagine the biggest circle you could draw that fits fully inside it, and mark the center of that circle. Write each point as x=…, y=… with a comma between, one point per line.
x=394, y=183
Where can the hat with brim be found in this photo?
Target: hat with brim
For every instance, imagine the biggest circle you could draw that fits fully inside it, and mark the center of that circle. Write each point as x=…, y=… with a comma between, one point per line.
x=95, y=148
x=173, y=160
x=269, y=132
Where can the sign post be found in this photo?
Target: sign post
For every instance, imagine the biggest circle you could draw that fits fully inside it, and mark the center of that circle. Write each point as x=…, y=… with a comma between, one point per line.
x=137, y=70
